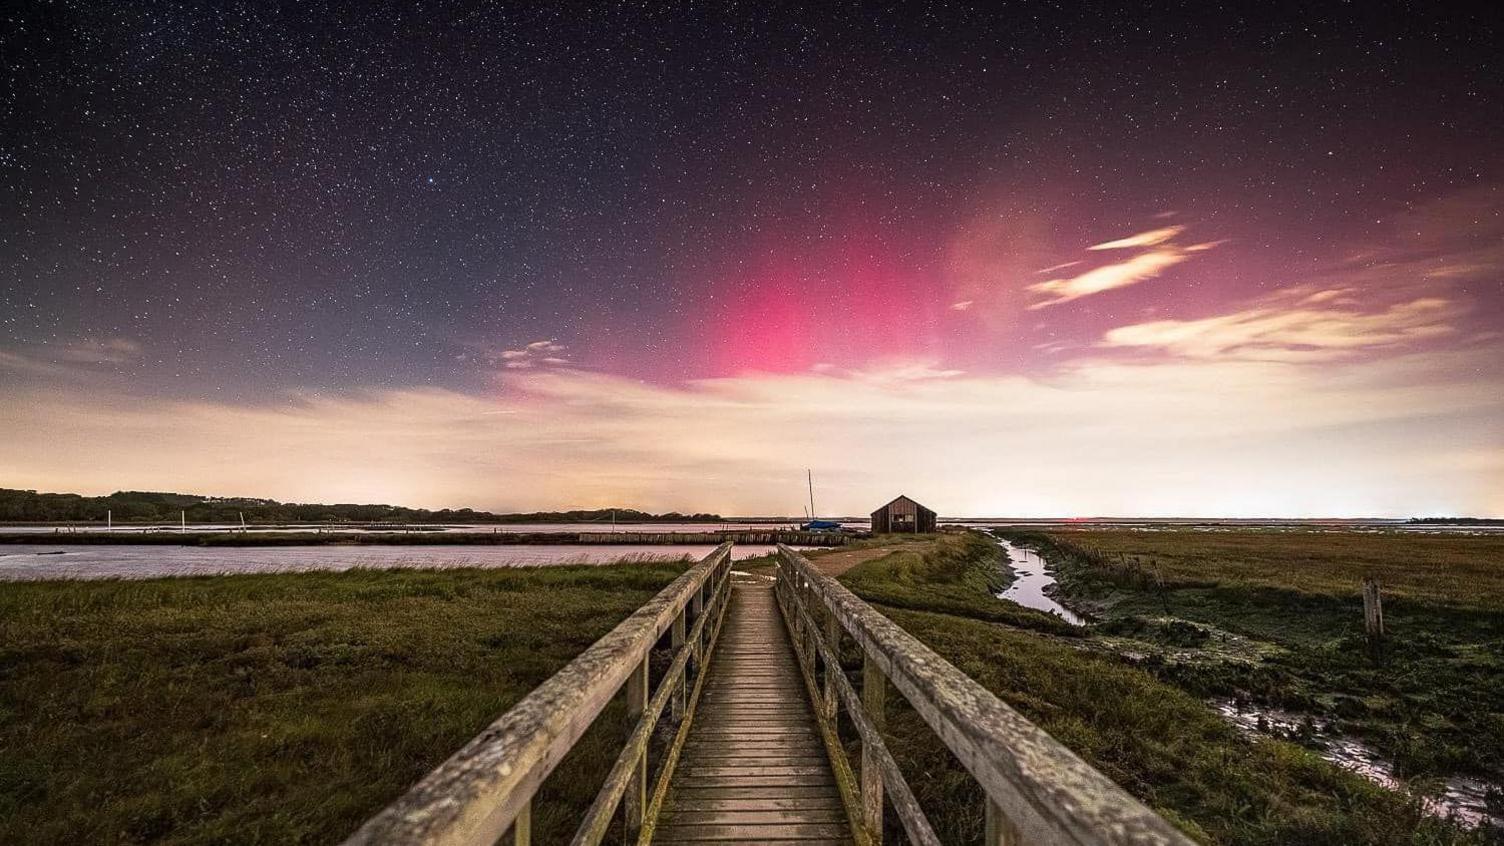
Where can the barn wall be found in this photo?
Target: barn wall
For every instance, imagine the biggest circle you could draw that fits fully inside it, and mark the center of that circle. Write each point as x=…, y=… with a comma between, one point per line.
x=904, y=513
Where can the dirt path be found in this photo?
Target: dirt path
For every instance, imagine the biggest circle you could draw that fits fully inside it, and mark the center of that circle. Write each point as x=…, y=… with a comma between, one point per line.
x=836, y=563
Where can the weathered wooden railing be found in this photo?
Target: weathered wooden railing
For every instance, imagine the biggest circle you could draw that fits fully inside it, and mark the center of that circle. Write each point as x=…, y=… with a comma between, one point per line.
x=1037, y=791
x=487, y=787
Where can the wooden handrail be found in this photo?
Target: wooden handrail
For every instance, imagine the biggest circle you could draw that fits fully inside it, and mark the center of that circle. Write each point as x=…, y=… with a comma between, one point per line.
x=481, y=790
x=1038, y=791
x=632, y=760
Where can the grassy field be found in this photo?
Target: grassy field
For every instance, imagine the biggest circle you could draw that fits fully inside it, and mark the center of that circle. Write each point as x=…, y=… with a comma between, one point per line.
x=1446, y=569
x=1156, y=738
x=280, y=708
x=1276, y=617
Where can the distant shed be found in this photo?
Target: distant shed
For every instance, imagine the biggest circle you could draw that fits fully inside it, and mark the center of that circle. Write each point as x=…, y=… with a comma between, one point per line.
x=903, y=515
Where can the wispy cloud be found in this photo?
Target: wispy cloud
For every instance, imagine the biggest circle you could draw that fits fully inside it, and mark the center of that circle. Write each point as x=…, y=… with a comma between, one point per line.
x=895, y=371
x=549, y=353
x=1295, y=325
x=1402, y=434
x=1107, y=277
x=75, y=357
x=1417, y=286
x=108, y=351
x=1159, y=255
x=1142, y=239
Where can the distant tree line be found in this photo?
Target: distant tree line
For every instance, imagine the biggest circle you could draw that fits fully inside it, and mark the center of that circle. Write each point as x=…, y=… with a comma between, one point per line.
x=1457, y=521
x=150, y=507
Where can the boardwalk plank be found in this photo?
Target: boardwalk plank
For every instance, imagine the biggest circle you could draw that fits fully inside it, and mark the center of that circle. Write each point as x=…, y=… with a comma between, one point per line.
x=754, y=767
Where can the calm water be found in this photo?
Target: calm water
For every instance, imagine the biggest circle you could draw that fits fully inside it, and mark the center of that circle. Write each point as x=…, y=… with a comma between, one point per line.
x=43, y=561
x=511, y=528
x=1031, y=579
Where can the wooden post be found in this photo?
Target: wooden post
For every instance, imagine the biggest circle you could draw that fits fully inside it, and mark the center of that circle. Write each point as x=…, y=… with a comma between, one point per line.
x=1000, y=832
x=697, y=649
x=810, y=633
x=1373, y=613
x=833, y=640
x=874, y=697
x=637, y=789
x=522, y=826
x=677, y=641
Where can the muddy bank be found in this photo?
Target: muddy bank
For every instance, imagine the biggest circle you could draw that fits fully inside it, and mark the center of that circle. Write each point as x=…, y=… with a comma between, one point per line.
x=1468, y=800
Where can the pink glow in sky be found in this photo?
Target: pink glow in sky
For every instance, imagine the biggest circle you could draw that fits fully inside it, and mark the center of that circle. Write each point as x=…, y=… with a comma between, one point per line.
x=1172, y=261
x=1370, y=385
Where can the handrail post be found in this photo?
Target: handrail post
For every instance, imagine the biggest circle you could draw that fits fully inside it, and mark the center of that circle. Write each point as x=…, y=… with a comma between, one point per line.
x=874, y=702
x=522, y=827
x=677, y=641
x=1000, y=832
x=833, y=640
x=701, y=608
x=637, y=788
x=807, y=599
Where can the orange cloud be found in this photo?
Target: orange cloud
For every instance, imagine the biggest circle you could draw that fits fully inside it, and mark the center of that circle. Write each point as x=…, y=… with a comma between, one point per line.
x=1158, y=255
x=1295, y=325
x=1403, y=434
x=1142, y=239
x=1107, y=277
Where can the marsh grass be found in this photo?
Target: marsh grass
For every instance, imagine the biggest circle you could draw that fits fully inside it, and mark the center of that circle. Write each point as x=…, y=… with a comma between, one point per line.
x=1466, y=571
x=1433, y=701
x=1162, y=743
x=281, y=708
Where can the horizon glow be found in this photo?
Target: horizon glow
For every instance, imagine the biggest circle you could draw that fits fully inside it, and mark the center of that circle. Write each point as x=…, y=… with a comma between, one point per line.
x=1003, y=281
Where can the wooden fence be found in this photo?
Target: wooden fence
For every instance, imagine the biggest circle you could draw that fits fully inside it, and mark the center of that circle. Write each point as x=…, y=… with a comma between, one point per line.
x=1037, y=791
x=487, y=787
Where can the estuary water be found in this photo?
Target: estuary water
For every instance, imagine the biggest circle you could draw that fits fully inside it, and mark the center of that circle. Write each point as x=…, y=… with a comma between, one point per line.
x=27, y=562
x=1030, y=582
x=469, y=528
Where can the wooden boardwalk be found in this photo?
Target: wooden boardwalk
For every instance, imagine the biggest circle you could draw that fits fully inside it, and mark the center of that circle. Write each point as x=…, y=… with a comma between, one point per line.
x=754, y=767
x=751, y=762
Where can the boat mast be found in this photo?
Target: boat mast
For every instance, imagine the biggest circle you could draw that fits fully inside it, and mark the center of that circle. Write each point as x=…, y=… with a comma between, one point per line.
x=811, y=493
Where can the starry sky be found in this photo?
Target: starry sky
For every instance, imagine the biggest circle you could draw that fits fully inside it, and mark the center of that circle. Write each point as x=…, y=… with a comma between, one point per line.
x=1030, y=259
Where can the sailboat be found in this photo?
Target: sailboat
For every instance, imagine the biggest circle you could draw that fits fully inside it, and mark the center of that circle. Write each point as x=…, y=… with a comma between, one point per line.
x=815, y=524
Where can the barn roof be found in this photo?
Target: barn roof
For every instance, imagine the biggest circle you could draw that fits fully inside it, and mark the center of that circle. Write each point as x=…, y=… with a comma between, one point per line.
x=895, y=499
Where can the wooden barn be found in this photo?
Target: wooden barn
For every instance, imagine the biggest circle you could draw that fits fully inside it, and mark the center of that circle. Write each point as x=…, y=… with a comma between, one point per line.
x=903, y=515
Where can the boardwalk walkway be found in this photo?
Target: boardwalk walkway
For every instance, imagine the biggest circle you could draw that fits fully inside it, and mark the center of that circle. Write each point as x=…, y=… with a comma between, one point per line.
x=750, y=762
x=754, y=768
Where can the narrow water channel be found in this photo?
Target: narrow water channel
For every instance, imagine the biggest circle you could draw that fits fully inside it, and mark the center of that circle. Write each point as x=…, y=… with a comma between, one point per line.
x=1030, y=582
x=1463, y=799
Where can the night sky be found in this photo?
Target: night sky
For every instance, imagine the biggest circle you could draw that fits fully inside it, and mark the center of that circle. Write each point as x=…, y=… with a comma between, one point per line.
x=1159, y=258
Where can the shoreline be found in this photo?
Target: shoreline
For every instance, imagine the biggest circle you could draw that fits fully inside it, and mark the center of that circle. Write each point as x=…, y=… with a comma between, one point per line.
x=492, y=538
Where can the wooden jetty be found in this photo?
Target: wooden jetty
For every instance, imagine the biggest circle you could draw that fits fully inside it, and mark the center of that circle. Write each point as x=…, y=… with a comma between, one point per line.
x=753, y=694
x=754, y=767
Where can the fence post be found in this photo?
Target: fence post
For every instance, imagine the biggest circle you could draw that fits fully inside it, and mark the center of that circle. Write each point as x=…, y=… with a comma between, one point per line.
x=637, y=788
x=874, y=697
x=1373, y=614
